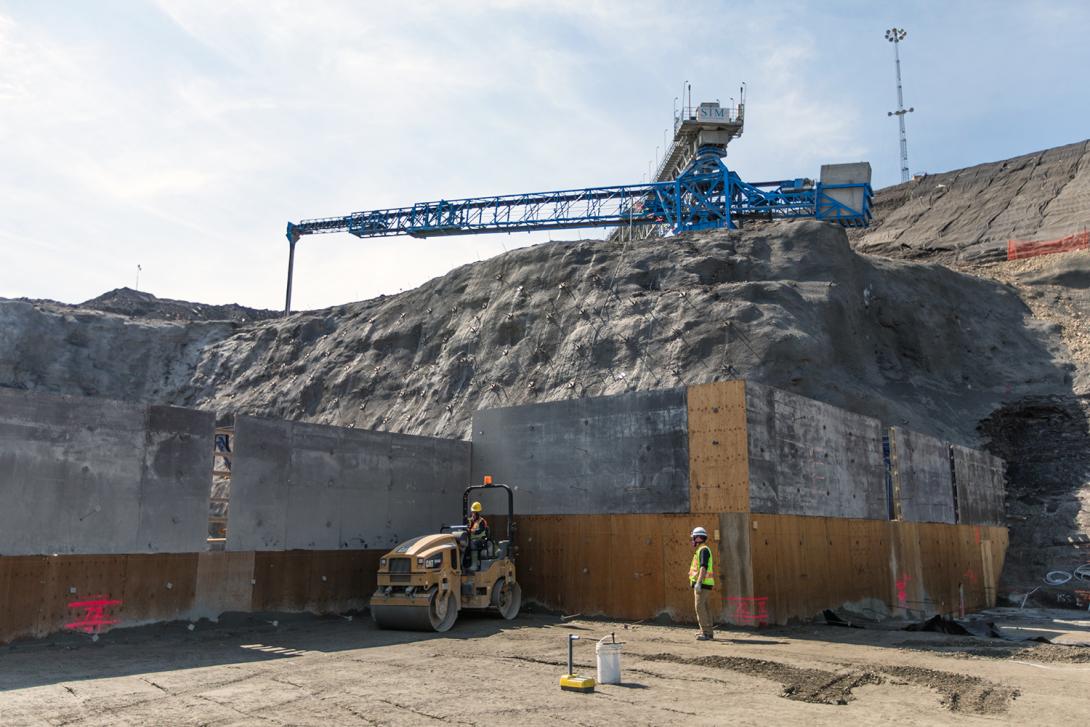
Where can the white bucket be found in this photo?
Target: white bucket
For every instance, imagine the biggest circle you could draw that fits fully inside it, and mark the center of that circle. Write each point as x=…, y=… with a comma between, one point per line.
x=609, y=661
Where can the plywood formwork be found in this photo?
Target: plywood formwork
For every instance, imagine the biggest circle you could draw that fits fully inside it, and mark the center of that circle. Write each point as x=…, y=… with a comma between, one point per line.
x=625, y=566
x=314, y=580
x=37, y=593
x=224, y=583
x=22, y=591
x=718, y=449
x=804, y=565
x=770, y=568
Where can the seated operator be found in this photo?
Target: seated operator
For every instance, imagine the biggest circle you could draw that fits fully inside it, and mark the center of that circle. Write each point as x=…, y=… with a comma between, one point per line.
x=478, y=535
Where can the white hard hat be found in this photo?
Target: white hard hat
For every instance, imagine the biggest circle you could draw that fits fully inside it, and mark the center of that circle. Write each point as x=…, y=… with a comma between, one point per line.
x=698, y=531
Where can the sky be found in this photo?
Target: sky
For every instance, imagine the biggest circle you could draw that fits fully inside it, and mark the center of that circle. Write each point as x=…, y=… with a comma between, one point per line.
x=182, y=136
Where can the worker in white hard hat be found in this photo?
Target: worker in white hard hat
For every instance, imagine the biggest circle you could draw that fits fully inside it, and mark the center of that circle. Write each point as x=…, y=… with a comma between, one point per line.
x=478, y=534
x=702, y=581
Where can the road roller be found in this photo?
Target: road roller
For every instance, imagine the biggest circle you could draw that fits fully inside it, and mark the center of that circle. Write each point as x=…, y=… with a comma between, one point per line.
x=425, y=582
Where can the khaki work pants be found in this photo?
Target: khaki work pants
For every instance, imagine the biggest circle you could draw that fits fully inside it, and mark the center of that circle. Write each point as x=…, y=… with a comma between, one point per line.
x=702, y=602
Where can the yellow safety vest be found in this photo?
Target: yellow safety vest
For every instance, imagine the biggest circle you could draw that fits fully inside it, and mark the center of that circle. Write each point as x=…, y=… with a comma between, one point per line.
x=694, y=568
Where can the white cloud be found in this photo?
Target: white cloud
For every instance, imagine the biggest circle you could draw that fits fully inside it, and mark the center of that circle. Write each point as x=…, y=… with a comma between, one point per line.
x=184, y=134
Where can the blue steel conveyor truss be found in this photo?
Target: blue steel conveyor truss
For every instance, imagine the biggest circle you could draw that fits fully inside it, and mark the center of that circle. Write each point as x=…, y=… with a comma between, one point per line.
x=706, y=195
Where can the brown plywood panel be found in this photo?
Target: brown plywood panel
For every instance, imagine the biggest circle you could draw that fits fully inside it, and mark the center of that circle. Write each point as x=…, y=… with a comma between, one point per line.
x=341, y=580
x=804, y=565
x=78, y=579
x=718, y=448
x=160, y=587
x=940, y=564
x=280, y=580
x=988, y=580
x=813, y=588
x=769, y=574
x=993, y=551
x=537, y=564
x=22, y=590
x=868, y=561
x=586, y=561
x=907, y=592
x=224, y=583
x=972, y=566
x=637, y=582
x=319, y=581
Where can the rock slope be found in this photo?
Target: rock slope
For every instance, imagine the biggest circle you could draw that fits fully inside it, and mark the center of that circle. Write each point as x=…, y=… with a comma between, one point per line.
x=789, y=305
x=970, y=214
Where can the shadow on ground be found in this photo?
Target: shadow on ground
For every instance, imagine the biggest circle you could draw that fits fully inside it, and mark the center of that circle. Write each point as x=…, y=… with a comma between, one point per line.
x=234, y=639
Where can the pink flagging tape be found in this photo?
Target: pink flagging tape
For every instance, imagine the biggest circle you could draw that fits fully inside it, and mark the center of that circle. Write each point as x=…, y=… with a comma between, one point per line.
x=1017, y=249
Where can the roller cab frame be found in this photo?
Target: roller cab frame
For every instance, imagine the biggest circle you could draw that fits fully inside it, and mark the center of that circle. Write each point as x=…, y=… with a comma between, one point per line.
x=424, y=582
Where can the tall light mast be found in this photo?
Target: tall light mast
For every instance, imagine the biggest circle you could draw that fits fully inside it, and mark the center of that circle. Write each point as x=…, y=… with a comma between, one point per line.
x=895, y=36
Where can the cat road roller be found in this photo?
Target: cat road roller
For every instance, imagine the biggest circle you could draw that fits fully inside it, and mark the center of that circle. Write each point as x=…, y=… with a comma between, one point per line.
x=423, y=583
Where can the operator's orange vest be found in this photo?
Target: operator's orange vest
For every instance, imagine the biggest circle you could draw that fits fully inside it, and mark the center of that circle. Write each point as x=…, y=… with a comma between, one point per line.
x=475, y=526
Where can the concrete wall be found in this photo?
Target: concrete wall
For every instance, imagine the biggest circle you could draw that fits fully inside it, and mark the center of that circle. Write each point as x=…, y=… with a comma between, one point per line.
x=615, y=454
x=923, y=487
x=307, y=486
x=979, y=480
x=84, y=475
x=809, y=458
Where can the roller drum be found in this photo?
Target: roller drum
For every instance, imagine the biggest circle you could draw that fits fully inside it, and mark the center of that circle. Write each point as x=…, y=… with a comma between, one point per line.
x=437, y=614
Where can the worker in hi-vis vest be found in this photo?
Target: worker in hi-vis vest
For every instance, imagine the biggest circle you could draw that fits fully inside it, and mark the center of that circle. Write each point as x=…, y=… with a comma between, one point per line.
x=702, y=580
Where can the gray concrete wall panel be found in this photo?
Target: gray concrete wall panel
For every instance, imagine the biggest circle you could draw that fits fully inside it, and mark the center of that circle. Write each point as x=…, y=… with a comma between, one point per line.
x=922, y=483
x=313, y=487
x=981, y=487
x=95, y=476
x=615, y=454
x=176, y=480
x=810, y=458
x=260, y=470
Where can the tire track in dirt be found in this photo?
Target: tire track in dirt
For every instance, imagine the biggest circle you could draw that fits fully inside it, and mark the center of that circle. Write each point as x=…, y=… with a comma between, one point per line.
x=802, y=685
x=958, y=692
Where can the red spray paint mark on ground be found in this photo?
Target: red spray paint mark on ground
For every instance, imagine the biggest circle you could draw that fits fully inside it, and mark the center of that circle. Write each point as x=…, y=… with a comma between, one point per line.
x=94, y=620
x=750, y=610
x=902, y=590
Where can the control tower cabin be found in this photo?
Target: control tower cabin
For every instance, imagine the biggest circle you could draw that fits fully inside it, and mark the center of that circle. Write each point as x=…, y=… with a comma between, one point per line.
x=706, y=125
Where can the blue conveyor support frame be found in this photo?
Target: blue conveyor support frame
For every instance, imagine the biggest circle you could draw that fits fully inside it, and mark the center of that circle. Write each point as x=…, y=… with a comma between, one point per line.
x=707, y=195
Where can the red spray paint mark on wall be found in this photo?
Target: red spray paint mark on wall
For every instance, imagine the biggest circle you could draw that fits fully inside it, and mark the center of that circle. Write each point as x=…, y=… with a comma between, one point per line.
x=976, y=530
x=750, y=610
x=902, y=590
x=970, y=575
x=95, y=619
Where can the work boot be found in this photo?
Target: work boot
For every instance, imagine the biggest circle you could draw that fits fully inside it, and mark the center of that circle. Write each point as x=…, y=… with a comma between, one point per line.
x=705, y=637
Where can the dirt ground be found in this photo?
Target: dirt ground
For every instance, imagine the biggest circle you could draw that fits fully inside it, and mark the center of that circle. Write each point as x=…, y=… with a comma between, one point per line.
x=305, y=670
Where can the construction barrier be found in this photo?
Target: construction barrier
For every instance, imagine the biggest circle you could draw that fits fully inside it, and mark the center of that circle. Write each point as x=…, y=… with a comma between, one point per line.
x=1018, y=249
